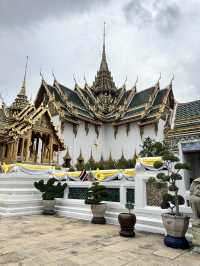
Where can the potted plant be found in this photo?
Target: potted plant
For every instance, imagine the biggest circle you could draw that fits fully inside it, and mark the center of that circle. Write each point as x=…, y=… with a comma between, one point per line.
x=50, y=191
x=95, y=195
x=127, y=221
x=175, y=222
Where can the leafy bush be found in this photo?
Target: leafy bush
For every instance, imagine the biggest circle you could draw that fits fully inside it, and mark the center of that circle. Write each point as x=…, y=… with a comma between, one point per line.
x=152, y=148
x=171, y=200
x=96, y=194
x=50, y=191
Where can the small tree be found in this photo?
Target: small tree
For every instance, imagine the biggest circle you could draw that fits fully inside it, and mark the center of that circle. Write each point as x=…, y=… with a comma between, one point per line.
x=96, y=194
x=50, y=191
x=151, y=148
x=171, y=200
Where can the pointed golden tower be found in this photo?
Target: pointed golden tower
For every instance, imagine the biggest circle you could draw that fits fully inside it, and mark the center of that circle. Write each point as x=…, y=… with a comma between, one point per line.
x=21, y=101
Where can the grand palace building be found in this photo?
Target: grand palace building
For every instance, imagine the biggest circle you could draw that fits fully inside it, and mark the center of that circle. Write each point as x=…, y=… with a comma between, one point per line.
x=96, y=121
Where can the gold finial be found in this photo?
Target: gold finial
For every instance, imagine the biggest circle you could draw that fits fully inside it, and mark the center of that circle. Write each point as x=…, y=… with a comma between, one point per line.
x=159, y=78
x=136, y=81
x=172, y=79
x=85, y=79
x=53, y=74
x=74, y=79
x=42, y=77
x=125, y=81
x=158, y=81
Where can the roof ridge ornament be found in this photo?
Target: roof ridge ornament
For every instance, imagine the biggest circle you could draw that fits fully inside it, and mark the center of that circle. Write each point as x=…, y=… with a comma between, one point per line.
x=158, y=81
x=74, y=78
x=135, y=87
x=85, y=80
x=124, y=85
x=53, y=74
x=159, y=78
x=170, y=84
x=41, y=75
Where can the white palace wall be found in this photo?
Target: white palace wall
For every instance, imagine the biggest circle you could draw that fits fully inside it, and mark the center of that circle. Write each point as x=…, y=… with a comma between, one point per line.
x=106, y=141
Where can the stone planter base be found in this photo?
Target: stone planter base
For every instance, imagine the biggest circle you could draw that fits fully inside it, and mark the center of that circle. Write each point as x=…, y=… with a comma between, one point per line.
x=127, y=223
x=48, y=207
x=98, y=211
x=176, y=242
x=98, y=220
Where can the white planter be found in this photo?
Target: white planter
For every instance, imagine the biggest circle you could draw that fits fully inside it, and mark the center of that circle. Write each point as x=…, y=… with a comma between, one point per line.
x=175, y=226
x=98, y=211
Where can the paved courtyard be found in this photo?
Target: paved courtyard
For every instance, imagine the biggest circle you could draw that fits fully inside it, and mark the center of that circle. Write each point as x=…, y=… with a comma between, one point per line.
x=47, y=240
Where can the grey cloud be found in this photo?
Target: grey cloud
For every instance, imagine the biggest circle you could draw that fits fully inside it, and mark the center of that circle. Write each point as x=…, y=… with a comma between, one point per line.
x=163, y=15
x=137, y=14
x=168, y=18
x=23, y=13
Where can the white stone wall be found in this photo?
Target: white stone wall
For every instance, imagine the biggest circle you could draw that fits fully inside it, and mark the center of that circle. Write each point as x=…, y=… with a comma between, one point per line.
x=106, y=142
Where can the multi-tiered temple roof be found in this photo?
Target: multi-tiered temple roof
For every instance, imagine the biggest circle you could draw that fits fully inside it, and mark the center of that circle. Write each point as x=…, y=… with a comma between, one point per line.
x=103, y=102
x=27, y=133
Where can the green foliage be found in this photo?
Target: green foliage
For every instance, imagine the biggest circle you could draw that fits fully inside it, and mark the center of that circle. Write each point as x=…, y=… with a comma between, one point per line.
x=152, y=148
x=157, y=183
x=180, y=166
x=152, y=179
x=129, y=206
x=173, y=200
x=96, y=194
x=71, y=169
x=50, y=191
x=158, y=164
x=172, y=188
x=170, y=157
x=80, y=166
x=107, y=164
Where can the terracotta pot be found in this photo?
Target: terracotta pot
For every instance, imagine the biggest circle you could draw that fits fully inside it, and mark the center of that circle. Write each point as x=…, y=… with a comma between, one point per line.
x=98, y=211
x=127, y=223
x=49, y=207
x=176, y=226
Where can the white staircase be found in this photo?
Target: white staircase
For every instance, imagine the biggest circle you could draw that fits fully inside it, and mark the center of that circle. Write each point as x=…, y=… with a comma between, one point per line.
x=18, y=195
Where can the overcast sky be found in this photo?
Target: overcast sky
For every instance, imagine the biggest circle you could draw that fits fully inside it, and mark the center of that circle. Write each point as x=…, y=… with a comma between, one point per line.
x=143, y=37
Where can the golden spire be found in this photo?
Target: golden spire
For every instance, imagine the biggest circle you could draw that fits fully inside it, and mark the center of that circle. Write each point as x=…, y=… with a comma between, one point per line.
x=104, y=65
x=23, y=88
x=110, y=157
x=67, y=156
x=91, y=160
x=122, y=156
x=80, y=157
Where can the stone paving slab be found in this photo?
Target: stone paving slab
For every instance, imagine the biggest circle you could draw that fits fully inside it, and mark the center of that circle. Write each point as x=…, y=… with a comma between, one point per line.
x=50, y=240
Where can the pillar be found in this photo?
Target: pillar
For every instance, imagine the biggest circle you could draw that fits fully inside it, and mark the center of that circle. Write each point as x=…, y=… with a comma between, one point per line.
x=50, y=149
x=36, y=150
x=22, y=150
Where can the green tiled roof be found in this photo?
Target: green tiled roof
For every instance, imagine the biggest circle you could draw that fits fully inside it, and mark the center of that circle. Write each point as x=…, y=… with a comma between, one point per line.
x=141, y=97
x=160, y=96
x=188, y=110
x=125, y=96
x=72, y=95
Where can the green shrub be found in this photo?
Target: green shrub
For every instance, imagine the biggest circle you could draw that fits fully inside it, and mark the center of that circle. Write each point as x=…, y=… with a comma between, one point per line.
x=152, y=148
x=50, y=191
x=95, y=194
